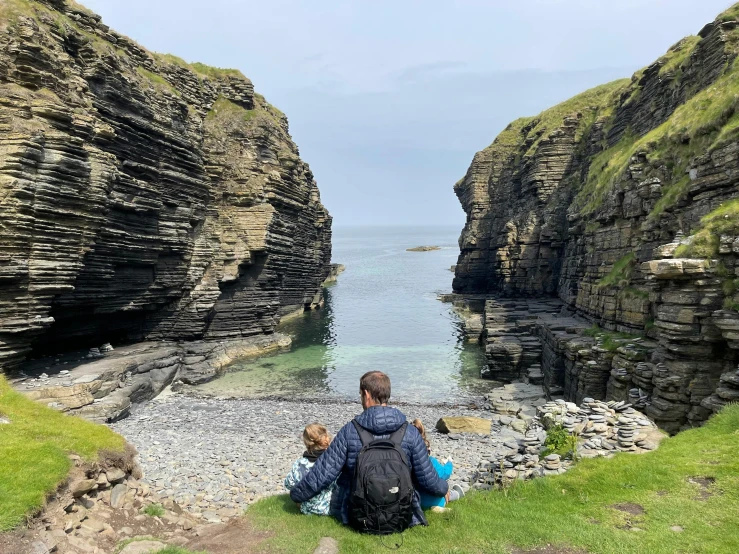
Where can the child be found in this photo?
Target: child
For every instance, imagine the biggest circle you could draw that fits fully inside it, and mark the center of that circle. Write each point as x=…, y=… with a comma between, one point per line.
x=316, y=440
x=437, y=503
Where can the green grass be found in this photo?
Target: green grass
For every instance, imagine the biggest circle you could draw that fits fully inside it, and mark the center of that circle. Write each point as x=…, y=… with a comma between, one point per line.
x=589, y=103
x=592, y=227
x=199, y=68
x=559, y=441
x=530, y=131
x=620, y=273
x=157, y=80
x=574, y=509
x=724, y=220
x=704, y=245
x=262, y=111
x=671, y=193
x=223, y=107
x=154, y=510
x=11, y=9
x=677, y=55
x=706, y=121
x=732, y=14
x=612, y=340
x=215, y=72
x=34, y=449
x=172, y=60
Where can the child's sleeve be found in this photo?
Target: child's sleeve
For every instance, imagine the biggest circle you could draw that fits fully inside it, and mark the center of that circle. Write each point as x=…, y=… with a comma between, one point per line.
x=444, y=471
x=293, y=478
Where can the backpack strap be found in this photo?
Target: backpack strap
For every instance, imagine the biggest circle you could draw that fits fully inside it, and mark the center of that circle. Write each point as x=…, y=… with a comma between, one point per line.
x=397, y=437
x=365, y=436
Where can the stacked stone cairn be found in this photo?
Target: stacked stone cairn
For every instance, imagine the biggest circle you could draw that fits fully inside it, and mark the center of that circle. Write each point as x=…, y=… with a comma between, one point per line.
x=602, y=429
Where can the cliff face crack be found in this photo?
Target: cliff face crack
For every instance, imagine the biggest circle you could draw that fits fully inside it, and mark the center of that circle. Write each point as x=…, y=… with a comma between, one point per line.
x=142, y=198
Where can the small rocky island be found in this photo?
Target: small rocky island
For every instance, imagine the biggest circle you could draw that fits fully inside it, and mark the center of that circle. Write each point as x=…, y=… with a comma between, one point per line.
x=423, y=249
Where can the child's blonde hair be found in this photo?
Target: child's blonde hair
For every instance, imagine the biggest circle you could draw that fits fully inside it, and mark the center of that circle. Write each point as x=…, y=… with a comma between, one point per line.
x=418, y=424
x=316, y=437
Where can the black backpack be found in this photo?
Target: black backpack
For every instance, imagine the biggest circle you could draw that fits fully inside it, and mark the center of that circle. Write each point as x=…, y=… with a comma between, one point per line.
x=381, y=500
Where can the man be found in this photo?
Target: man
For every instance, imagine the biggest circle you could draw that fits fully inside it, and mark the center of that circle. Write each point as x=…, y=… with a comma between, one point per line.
x=341, y=457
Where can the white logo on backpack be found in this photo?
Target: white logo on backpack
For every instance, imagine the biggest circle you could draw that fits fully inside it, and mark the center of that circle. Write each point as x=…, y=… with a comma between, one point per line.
x=394, y=490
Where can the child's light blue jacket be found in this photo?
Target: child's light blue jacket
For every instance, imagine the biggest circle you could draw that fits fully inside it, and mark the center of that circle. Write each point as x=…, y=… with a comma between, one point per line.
x=320, y=503
x=445, y=472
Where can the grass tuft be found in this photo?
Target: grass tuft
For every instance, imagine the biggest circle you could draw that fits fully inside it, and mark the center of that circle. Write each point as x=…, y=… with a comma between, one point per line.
x=34, y=449
x=215, y=72
x=677, y=55
x=153, y=510
x=157, y=80
x=724, y=220
x=611, y=340
x=620, y=273
x=262, y=111
x=559, y=441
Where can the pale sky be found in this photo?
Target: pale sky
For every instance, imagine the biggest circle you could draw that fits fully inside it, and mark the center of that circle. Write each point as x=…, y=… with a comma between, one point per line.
x=388, y=100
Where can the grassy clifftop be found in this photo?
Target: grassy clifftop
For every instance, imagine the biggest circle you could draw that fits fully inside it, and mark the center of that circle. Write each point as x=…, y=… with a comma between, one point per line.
x=34, y=450
x=704, y=119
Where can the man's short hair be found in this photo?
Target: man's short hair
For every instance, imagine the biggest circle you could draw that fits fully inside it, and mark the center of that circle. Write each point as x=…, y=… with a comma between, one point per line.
x=377, y=384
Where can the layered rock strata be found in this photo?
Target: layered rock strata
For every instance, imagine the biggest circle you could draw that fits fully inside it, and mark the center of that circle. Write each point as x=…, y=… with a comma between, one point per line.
x=142, y=198
x=104, y=389
x=621, y=203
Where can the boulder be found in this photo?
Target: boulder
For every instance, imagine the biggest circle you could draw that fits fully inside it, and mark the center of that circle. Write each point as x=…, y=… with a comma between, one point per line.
x=115, y=475
x=78, y=488
x=463, y=424
x=117, y=495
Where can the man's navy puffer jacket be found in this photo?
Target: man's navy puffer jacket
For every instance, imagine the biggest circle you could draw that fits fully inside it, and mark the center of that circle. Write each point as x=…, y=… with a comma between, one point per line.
x=341, y=457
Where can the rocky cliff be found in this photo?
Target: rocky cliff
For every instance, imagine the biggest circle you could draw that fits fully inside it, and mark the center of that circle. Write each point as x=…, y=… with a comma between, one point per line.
x=624, y=203
x=141, y=197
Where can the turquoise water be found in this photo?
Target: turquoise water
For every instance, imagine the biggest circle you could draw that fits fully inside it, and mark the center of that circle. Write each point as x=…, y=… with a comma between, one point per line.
x=383, y=313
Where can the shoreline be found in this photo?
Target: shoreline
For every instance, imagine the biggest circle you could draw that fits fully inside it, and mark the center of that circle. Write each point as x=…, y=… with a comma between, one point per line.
x=475, y=403
x=221, y=455
x=104, y=387
x=217, y=456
